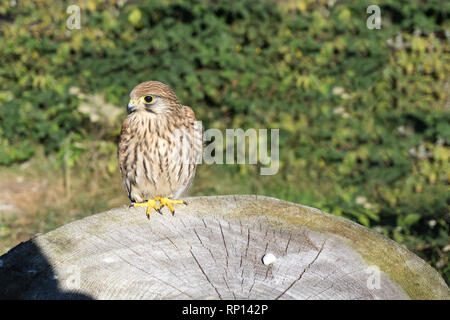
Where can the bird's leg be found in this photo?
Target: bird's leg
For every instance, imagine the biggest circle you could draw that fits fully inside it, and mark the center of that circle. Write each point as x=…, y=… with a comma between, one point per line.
x=168, y=203
x=149, y=204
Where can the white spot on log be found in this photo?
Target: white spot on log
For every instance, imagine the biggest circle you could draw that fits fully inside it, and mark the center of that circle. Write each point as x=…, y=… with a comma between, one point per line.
x=268, y=258
x=109, y=260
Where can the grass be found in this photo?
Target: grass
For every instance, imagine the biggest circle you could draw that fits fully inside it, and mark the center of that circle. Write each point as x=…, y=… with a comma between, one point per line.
x=38, y=199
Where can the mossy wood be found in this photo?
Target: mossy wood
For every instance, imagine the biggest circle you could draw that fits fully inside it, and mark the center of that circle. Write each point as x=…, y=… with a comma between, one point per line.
x=213, y=249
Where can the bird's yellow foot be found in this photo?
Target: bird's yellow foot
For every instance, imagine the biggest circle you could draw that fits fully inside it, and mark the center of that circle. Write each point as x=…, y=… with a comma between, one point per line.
x=168, y=203
x=149, y=204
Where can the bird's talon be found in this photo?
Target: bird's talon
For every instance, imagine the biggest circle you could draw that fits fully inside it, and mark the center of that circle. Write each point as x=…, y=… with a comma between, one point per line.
x=149, y=204
x=168, y=203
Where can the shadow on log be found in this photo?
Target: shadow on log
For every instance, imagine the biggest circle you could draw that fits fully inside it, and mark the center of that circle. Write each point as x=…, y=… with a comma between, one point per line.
x=227, y=247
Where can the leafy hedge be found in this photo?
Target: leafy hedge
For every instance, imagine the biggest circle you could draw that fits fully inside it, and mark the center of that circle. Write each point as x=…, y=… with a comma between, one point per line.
x=363, y=114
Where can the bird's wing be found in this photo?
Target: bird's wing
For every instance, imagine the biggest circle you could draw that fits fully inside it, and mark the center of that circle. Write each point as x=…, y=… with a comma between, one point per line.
x=121, y=156
x=197, y=147
x=190, y=113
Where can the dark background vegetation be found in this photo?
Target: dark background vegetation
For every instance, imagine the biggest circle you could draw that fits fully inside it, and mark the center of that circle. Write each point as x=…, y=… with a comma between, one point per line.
x=363, y=114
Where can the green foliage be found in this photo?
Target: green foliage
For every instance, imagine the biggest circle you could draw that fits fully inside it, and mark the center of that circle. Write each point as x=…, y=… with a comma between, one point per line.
x=363, y=114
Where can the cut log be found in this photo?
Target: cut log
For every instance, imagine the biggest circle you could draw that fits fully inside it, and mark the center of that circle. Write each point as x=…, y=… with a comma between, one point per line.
x=226, y=247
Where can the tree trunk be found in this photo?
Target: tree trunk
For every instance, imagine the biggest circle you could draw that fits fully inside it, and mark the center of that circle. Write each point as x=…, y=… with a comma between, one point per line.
x=226, y=247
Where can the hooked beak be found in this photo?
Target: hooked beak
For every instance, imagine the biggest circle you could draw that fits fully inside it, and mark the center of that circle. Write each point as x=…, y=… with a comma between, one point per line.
x=131, y=107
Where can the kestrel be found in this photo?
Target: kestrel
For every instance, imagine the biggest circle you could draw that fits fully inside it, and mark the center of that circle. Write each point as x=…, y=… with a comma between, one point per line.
x=156, y=149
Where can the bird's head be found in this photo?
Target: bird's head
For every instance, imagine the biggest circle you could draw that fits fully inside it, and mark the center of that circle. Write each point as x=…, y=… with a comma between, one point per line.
x=153, y=97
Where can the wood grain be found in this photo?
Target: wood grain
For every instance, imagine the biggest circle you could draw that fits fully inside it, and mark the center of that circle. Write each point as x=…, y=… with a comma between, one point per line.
x=213, y=249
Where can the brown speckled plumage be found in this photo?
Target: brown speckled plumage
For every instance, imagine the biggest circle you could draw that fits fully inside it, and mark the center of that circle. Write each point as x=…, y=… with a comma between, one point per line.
x=150, y=149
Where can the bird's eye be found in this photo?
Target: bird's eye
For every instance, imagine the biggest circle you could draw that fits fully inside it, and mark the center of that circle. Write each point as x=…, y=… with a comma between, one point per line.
x=148, y=99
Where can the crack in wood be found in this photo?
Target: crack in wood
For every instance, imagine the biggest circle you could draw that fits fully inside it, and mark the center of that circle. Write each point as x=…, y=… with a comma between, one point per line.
x=248, y=242
x=167, y=238
x=228, y=287
x=289, y=241
x=317, y=294
x=206, y=276
x=153, y=276
x=223, y=238
x=303, y=272
x=251, y=288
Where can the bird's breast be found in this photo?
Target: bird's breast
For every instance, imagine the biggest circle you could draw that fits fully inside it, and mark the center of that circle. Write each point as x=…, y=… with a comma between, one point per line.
x=156, y=158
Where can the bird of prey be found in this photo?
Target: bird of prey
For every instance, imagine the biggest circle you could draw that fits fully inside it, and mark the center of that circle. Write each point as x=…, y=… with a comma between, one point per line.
x=156, y=150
